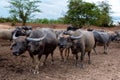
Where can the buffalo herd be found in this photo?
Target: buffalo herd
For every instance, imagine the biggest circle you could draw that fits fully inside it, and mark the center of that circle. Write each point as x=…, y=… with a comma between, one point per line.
x=43, y=41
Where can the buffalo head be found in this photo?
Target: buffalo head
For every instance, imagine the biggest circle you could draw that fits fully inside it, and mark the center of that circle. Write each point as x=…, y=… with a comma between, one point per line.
x=35, y=44
x=64, y=41
x=19, y=45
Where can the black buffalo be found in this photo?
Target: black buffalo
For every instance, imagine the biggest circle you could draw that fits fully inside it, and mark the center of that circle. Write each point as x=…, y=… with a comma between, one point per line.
x=64, y=44
x=22, y=31
x=72, y=28
x=82, y=41
x=40, y=42
x=103, y=39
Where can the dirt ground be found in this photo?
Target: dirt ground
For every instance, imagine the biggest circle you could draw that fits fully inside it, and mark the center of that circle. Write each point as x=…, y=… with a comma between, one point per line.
x=103, y=67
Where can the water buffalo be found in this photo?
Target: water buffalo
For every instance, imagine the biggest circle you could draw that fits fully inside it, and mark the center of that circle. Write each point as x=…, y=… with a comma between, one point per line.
x=72, y=28
x=18, y=32
x=58, y=32
x=103, y=39
x=60, y=37
x=27, y=30
x=82, y=41
x=27, y=27
x=117, y=35
x=19, y=45
x=22, y=31
x=6, y=34
x=64, y=45
x=40, y=42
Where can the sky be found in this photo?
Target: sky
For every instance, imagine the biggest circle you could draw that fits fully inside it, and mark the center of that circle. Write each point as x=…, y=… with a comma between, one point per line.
x=53, y=9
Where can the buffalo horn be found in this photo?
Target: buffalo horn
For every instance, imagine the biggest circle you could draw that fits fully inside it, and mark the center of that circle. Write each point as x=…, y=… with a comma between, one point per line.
x=36, y=39
x=76, y=37
x=14, y=37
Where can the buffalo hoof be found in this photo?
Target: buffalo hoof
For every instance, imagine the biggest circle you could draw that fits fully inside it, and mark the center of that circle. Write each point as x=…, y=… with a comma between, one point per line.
x=65, y=61
x=43, y=64
x=36, y=72
x=96, y=53
x=76, y=65
x=89, y=62
x=105, y=53
x=81, y=66
x=52, y=62
x=62, y=59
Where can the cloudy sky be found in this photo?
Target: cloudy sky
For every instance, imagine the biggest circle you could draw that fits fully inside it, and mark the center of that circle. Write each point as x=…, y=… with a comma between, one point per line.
x=53, y=9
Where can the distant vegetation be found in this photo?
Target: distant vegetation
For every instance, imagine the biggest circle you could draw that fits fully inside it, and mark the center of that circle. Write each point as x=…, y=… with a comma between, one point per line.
x=40, y=21
x=3, y=20
x=48, y=21
x=79, y=13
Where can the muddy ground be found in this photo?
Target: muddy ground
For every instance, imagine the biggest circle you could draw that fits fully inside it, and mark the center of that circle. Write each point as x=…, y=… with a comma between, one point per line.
x=103, y=67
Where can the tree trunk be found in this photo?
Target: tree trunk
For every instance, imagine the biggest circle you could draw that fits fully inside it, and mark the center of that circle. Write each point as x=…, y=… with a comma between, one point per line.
x=24, y=22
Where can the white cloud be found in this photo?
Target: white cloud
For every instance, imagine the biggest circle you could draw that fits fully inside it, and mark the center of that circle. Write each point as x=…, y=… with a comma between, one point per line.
x=115, y=5
x=4, y=3
x=3, y=10
x=53, y=9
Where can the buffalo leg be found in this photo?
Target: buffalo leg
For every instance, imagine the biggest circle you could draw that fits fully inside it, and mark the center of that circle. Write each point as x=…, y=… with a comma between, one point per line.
x=76, y=60
x=66, y=54
x=82, y=59
x=105, y=49
x=37, y=64
x=39, y=57
x=44, y=63
x=61, y=54
x=89, y=61
x=94, y=48
x=32, y=56
x=52, y=60
x=33, y=62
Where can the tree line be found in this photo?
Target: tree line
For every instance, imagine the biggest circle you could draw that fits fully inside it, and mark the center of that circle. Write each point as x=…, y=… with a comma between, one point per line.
x=39, y=21
x=79, y=14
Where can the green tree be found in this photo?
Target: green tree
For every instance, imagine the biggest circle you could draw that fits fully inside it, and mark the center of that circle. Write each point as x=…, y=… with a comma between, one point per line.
x=23, y=9
x=45, y=21
x=104, y=18
x=81, y=13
